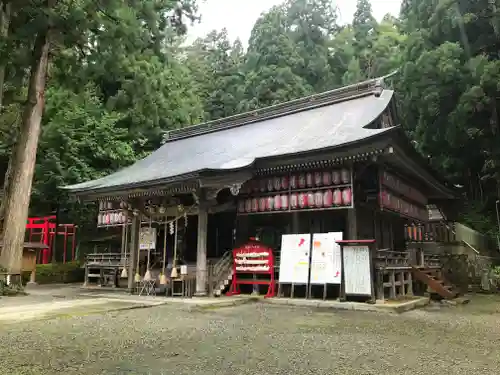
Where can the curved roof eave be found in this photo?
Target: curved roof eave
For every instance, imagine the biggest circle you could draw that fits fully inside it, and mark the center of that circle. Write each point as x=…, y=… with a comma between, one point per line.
x=320, y=128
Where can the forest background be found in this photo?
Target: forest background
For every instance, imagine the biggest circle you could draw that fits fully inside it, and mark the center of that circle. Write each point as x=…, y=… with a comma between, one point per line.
x=120, y=73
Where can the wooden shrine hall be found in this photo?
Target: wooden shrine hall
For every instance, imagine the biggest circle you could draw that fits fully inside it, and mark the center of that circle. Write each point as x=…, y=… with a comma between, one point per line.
x=331, y=162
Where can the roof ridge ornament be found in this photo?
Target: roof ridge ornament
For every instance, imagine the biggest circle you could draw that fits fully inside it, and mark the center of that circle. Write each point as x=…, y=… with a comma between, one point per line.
x=370, y=87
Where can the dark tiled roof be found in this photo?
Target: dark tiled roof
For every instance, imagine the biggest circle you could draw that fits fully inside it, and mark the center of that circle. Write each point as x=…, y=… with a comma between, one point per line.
x=317, y=122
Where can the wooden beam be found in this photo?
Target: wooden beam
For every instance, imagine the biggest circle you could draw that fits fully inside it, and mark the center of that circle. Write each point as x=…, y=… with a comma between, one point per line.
x=133, y=246
x=201, y=251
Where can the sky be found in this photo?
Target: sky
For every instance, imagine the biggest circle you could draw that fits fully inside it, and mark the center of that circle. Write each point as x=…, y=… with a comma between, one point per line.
x=239, y=16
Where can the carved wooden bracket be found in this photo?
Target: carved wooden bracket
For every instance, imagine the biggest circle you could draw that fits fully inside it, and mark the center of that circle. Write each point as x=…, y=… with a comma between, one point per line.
x=235, y=188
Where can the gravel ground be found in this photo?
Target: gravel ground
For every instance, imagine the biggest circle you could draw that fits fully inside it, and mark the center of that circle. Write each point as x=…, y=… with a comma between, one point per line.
x=258, y=339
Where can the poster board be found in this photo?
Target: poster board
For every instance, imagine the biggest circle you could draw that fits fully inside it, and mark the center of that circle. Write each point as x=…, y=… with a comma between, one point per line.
x=357, y=271
x=294, y=258
x=326, y=262
x=147, y=238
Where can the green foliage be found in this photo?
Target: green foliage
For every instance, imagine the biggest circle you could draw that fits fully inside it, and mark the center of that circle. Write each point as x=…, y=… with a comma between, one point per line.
x=70, y=272
x=116, y=83
x=450, y=90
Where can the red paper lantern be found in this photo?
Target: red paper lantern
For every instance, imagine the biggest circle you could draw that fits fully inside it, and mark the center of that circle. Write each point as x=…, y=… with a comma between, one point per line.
x=309, y=179
x=294, y=181
x=404, y=208
x=383, y=198
x=346, y=196
x=327, y=178
x=310, y=199
x=302, y=200
x=255, y=205
x=277, y=202
x=262, y=204
x=328, y=198
x=345, y=176
x=277, y=183
x=337, y=197
x=336, y=177
x=302, y=181
x=399, y=204
x=284, y=182
x=294, y=201
x=269, y=203
x=318, y=199
x=248, y=205
x=317, y=179
x=270, y=184
x=241, y=206
x=284, y=202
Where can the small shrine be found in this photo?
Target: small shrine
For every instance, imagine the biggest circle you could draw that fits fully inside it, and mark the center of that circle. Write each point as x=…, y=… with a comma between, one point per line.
x=315, y=193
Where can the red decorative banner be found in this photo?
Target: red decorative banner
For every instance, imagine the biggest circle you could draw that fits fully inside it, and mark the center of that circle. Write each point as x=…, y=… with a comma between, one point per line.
x=395, y=184
x=391, y=202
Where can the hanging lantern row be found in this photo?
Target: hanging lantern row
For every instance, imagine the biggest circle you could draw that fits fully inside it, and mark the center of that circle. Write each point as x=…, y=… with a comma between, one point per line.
x=395, y=184
x=300, y=181
x=111, y=218
x=307, y=200
x=397, y=204
x=105, y=205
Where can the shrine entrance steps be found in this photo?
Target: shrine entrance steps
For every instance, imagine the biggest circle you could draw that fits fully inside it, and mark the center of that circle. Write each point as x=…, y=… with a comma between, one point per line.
x=436, y=283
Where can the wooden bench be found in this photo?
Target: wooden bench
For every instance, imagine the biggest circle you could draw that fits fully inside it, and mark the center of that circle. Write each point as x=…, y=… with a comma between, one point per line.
x=104, y=268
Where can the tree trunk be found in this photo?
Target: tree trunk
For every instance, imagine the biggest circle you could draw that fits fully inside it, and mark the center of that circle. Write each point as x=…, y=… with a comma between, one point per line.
x=4, y=32
x=5, y=12
x=23, y=160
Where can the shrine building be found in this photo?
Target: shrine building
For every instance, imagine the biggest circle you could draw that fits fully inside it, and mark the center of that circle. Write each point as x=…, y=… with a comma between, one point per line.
x=338, y=161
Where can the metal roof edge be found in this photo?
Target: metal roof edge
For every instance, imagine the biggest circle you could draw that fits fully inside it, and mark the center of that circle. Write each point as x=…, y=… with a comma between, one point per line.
x=124, y=189
x=417, y=159
x=373, y=86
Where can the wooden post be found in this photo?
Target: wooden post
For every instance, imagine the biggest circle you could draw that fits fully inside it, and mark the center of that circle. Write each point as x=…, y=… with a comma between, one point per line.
x=32, y=276
x=201, y=252
x=352, y=225
x=86, y=278
x=133, y=245
x=295, y=222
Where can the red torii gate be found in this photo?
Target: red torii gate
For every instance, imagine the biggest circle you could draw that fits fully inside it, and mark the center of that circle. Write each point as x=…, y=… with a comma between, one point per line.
x=45, y=228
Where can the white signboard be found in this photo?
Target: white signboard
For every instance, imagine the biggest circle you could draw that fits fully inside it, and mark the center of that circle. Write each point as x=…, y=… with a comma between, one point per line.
x=294, y=258
x=147, y=238
x=326, y=262
x=357, y=270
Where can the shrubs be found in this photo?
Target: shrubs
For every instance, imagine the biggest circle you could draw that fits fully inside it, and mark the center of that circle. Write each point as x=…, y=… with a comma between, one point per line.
x=70, y=272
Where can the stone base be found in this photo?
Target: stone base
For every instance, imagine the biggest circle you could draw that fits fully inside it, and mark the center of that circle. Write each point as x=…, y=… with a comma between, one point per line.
x=200, y=294
x=13, y=280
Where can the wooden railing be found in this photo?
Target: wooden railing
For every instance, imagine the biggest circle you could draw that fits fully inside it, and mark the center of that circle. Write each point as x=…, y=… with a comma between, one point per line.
x=387, y=258
x=218, y=270
x=443, y=232
x=105, y=259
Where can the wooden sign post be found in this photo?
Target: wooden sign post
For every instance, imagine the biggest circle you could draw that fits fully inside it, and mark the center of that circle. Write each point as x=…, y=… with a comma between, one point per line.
x=357, y=269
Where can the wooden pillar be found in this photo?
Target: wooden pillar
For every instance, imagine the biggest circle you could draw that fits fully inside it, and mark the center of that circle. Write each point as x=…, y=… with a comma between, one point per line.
x=201, y=251
x=32, y=276
x=295, y=222
x=133, y=246
x=352, y=224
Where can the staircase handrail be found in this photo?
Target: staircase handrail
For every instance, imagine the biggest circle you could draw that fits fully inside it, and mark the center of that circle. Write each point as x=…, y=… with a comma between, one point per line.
x=220, y=269
x=462, y=240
